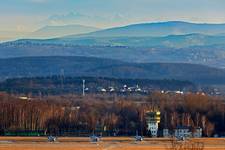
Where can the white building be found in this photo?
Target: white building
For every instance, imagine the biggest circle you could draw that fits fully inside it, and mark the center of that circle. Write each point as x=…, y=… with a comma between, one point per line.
x=153, y=120
x=182, y=131
x=103, y=90
x=153, y=127
x=197, y=132
x=111, y=89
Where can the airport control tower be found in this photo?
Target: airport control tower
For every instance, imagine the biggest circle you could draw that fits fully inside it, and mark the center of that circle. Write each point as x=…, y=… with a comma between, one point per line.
x=153, y=120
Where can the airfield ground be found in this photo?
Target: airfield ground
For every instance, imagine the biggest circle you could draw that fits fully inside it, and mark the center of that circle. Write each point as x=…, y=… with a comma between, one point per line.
x=114, y=143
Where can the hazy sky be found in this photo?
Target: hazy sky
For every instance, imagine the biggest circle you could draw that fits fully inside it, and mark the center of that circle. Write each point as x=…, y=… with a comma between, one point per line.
x=29, y=15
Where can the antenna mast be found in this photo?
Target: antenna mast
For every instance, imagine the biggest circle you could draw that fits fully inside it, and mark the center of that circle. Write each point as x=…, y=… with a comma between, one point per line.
x=83, y=87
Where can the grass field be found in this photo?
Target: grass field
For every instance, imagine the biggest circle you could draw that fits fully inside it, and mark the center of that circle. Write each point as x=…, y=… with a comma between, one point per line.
x=114, y=143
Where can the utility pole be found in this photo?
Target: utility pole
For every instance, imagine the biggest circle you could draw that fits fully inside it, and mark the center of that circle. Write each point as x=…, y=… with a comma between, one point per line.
x=83, y=87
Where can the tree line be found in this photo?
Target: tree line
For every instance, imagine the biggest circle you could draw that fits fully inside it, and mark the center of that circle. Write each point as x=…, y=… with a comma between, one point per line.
x=115, y=114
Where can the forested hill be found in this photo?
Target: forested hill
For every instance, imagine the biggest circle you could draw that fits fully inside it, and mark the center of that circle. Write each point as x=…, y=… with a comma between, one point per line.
x=57, y=85
x=145, y=50
x=97, y=67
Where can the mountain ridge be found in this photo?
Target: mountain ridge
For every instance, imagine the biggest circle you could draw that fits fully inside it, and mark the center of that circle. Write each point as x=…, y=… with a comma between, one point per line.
x=98, y=67
x=211, y=55
x=198, y=48
x=159, y=29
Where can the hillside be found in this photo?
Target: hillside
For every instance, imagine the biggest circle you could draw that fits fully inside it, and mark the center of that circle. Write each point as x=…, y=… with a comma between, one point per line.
x=211, y=55
x=171, y=41
x=63, y=85
x=96, y=67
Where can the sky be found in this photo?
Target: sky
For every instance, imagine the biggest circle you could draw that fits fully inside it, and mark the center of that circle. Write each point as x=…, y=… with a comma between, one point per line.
x=20, y=16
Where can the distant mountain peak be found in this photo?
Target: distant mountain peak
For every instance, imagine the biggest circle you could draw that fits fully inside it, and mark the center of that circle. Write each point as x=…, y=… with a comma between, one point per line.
x=63, y=30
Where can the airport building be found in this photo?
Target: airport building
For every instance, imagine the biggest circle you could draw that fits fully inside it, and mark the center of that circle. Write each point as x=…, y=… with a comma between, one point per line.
x=153, y=120
x=182, y=131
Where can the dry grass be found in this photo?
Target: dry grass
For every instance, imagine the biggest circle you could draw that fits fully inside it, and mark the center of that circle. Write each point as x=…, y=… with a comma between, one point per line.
x=122, y=143
x=186, y=145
